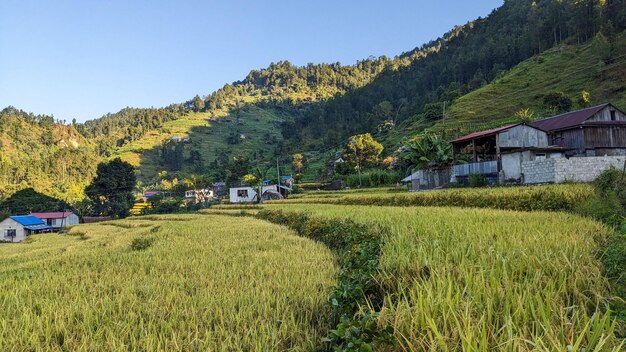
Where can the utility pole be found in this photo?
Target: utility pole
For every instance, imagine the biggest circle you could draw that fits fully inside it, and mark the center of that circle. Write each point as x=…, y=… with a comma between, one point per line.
x=358, y=164
x=278, y=174
x=444, y=112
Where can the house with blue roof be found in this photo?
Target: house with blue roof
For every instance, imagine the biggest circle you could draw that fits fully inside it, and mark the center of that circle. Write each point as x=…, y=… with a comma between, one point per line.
x=17, y=228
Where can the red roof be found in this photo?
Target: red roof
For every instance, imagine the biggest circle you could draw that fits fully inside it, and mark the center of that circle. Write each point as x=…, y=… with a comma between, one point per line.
x=567, y=120
x=483, y=133
x=53, y=215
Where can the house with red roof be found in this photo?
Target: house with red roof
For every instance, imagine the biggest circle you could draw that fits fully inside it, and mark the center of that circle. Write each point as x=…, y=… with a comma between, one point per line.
x=595, y=131
x=59, y=219
x=546, y=150
x=498, y=153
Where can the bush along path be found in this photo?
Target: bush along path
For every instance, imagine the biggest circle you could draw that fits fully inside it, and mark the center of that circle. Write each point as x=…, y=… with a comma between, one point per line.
x=358, y=298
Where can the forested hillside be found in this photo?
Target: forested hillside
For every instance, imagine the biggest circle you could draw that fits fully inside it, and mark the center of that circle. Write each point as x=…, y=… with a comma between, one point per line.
x=464, y=60
x=39, y=152
x=481, y=74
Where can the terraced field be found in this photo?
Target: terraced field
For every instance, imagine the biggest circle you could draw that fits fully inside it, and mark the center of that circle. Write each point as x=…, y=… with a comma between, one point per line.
x=165, y=283
x=481, y=279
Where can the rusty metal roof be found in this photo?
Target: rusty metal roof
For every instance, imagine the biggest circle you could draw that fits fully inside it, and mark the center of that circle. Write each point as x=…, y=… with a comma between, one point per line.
x=567, y=120
x=483, y=133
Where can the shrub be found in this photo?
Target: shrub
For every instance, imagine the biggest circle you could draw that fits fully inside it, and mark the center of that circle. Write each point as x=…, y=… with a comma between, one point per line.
x=141, y=243
x=359, y=247
x=374, y=178
x=477, y=180
x=610, y=202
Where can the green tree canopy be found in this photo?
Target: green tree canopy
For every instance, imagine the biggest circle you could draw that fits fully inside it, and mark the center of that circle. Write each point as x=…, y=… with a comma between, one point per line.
x=362, y=151
x=29, y=201
x=111, y=192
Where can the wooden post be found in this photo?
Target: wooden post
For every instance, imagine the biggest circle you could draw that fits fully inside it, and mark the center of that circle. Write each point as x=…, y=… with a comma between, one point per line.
x=474, y=150
x=498, y=160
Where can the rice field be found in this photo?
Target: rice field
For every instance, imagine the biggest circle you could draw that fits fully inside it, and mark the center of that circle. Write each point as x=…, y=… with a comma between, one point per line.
x=174, y=282
x=484, y=280
x=563, y=197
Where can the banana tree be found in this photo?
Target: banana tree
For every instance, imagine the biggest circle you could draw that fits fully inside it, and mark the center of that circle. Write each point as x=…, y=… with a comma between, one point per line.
x=427, y=150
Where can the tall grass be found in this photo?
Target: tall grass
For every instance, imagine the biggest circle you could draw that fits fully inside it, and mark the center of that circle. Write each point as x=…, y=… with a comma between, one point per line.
x=206, y=283
x=485, y=280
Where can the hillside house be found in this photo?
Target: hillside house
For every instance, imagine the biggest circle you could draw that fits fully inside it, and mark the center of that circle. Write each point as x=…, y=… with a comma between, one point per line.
x=58, y=220
x=250, y=194
x=595, y=131
x=198, y=195
x=498, y=154
x=17, y=228
x=575, y=146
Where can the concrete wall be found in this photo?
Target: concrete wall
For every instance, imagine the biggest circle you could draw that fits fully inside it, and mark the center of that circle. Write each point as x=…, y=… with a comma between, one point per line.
x=9, y=223
x=584, y=169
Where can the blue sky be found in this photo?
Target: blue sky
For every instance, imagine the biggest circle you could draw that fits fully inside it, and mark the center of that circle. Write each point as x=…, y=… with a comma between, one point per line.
x=82, y=59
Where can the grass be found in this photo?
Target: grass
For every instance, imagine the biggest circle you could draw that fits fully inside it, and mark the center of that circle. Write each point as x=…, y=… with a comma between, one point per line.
x=484, y=279
x=206, y=283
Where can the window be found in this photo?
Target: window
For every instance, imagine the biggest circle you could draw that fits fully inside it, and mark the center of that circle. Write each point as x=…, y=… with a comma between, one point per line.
x=242, y=193
x=11, y=233
x=613, y=115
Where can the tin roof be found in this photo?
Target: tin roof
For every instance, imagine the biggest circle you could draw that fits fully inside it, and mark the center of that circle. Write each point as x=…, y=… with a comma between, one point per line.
x=27, y=220
x=483, y=133
x=53, y=215
x=568, y=119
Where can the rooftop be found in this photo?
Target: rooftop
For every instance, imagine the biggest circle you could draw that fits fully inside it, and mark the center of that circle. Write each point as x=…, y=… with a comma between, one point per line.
x=28, y=220
x=53, y=215
x=483, y=133
x=568, y=119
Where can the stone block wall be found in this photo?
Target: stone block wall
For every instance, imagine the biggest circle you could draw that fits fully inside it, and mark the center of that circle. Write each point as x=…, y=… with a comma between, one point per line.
x=538, y=171
x=584, y=169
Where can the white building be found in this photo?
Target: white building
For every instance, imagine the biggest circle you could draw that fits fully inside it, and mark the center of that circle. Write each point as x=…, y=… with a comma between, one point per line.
x=199, y=195
x=248, y=194
x=58, y=220
x=16, y=228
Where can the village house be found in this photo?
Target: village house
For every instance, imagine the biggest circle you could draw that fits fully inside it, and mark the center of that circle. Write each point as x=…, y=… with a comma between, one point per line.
x=595, y=131
x=498, y=154
x=575, y=146
x=58, y=220
x=250, y=195
x=16, y=228
x=198, y=196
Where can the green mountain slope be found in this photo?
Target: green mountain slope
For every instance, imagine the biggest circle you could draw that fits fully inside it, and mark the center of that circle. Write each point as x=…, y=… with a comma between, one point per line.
x=482, y=73
x=570, y=69
x=36, y=151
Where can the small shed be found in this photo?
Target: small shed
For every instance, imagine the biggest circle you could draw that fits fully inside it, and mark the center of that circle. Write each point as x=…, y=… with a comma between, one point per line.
x=59, y=219
x=16, y=228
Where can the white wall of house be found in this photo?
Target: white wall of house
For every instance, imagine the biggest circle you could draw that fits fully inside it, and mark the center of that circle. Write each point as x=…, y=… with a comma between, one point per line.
x=70, y=220
x=7, y=224
x=512, y=162
x=236, y=194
